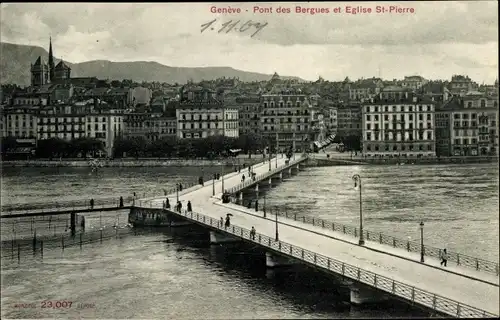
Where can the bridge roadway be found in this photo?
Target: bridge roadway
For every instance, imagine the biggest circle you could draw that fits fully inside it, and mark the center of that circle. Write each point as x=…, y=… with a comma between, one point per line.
x=470, y=288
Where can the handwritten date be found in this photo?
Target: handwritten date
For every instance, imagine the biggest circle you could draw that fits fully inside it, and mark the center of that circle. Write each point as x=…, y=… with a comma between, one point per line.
x=230, y=25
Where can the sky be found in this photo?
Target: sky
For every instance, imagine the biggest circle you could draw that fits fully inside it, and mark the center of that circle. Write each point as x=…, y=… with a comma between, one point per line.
x=437, y=40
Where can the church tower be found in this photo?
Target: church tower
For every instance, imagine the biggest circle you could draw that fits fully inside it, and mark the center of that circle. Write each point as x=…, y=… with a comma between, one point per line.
x=51, y=62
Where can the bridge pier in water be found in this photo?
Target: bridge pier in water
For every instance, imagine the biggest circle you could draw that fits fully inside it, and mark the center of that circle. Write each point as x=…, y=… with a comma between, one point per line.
x=361, y=294
x=218, y=238
x=274, y=260
x=174, y=221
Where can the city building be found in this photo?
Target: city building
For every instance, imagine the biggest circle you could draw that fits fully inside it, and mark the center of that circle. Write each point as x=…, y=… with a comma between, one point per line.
x=365, y=89
x=158, y=126
x=249, y=114
x=413, y=82
x=468, y=126
x=287, y=118
x=460, y=85
x=398, y=123
x=201, y=113
x=135, y=124
x=105, y=126
x=64, y=122
x=349, y=119
x=21, y=121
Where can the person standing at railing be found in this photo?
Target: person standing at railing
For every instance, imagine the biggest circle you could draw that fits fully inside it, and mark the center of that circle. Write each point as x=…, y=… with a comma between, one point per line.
x=167, y=204
x=228, y=222
x=444, y=257
x=179, y=206
x=189, y=207
x=221, y=221
x=121, y=202
x=91, y=203
x=243, y=178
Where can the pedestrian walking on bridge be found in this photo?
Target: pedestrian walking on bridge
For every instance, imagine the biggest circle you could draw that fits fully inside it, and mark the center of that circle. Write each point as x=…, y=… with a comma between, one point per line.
x=91, y=203
x=189, y=207
x=252, y=233
x=121, y=202
x=444, y=257
x=243, y=178
x=167, y=204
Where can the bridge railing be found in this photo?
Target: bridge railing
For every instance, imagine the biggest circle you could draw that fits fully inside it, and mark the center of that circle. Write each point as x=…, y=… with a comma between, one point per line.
x=18, y=248
x=410, y=293
x=64, y=205
x=265, y=175
x=409, y=245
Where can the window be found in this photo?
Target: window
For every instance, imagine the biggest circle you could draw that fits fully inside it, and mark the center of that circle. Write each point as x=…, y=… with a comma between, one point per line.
x=410, y=117
x=429, y=135
x=368, y=117
x=483, y=103
x=368, y=126
x=457, y=141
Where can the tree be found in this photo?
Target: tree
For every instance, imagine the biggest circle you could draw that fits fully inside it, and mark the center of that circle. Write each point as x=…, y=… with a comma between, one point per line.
x=52, y=147
x=8, y=143
x=249, y=142
x=85, y=146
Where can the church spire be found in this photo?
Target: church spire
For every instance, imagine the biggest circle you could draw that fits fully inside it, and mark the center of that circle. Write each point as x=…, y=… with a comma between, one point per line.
x=51, y=61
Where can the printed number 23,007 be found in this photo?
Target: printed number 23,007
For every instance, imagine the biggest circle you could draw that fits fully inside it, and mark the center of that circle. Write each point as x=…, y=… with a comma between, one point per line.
x=230, y=25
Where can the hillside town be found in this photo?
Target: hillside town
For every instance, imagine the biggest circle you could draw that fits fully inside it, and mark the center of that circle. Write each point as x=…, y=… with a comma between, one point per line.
x=410, y=117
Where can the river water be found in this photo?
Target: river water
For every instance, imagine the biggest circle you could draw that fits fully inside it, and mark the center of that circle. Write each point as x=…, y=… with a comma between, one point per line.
x=160, y=275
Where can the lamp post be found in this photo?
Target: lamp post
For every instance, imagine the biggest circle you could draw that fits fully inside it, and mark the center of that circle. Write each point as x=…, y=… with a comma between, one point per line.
x=264, y=206
x=276, y=220
x=357, y=181
x=422, y=250
x=177, y=191
x=222, y=175
x=277, y=146
x=213, y=186
x=269, y=155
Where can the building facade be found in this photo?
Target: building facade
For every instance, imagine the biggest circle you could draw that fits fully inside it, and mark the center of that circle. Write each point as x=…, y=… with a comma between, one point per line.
x=249, y=114
x=158, y=127
x=21, y=121
x=286, y=118
x=469, y=126
x=349, y=120
x=401, y=125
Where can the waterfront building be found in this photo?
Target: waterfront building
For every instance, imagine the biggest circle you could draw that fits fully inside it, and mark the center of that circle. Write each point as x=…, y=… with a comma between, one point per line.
x=21, y=121
x=135, y=124
x=62, y=121
x=106, y=126
x=158, y=126
x=349, y=119
x=398, y=122
x=201, y=113
x=249, y=114
x=468, y=126
x=287, y=118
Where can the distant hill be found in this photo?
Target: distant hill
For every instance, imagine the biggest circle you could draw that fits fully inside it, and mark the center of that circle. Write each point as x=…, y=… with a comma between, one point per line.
x=15, y=63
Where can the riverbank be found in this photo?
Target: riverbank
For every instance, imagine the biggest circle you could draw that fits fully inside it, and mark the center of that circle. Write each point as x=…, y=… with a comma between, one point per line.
x=141, y=162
